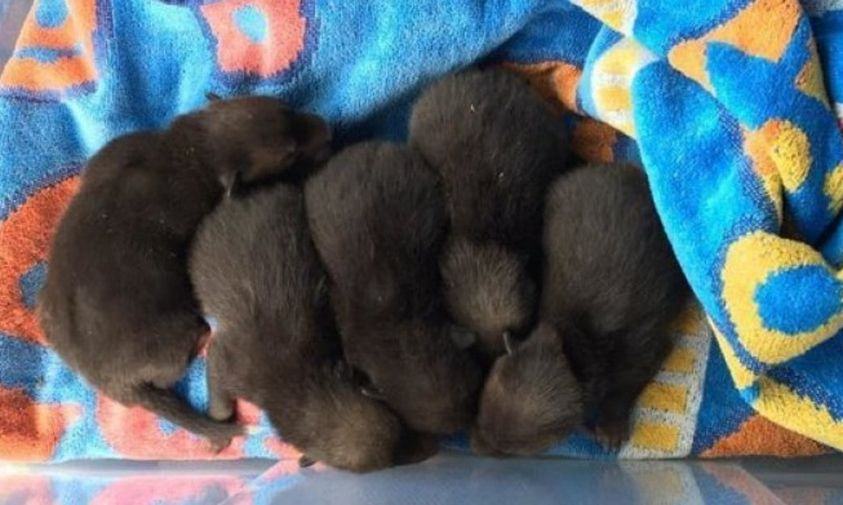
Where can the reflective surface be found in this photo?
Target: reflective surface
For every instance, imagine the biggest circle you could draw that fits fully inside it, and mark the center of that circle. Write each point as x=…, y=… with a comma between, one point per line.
x=468, y=480
x=444, y=480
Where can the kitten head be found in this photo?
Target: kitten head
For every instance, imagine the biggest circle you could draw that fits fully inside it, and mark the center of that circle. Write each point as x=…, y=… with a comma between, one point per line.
x=425, y=377
x=531, y=399
x=257, y=138
x=340, y=425
x=487, y=291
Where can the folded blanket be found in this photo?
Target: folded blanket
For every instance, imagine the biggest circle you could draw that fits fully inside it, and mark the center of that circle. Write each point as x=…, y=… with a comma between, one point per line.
x=731, y=105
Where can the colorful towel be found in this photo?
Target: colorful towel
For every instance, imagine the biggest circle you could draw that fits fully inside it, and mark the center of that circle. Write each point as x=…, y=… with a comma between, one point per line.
x=731, y=104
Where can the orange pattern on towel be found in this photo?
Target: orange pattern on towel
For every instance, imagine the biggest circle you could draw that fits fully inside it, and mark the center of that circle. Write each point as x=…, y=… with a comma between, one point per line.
x=24, y=240
x=594, y=141
x=74, y=37
x=759, y=437
x=555, y=80
x=135, y=433
x=283, y=35
x=764, y=29
x=30, y=431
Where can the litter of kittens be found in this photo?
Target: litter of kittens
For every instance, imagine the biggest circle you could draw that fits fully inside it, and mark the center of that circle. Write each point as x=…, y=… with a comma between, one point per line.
x=482, y=278
x=378, y=217
x=327, y=292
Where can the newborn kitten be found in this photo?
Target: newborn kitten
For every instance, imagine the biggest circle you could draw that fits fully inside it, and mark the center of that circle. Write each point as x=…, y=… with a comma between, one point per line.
x=497, y=146
x=611, y=286
x=117, y=304
x=531, y=399
x=256, y=271
x=378, y=223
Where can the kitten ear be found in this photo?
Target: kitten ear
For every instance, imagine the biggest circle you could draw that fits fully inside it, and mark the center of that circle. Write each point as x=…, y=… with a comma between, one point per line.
x=269, y=161
x=312, y=135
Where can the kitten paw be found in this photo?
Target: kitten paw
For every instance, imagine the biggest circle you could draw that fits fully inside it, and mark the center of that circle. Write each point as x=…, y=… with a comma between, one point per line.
x=612, y=434
x=219, y=445
x=221, y=413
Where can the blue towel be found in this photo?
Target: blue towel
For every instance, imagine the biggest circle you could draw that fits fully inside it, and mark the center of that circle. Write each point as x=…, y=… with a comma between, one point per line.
x=731, y=106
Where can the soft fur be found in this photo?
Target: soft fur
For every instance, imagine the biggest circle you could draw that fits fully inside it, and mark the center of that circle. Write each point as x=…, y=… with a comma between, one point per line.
x=530, y=400
x=117, y=304
x=485, y=288
x=497, y=146
x=378, y=222
x=611, y=285
x=256, y=272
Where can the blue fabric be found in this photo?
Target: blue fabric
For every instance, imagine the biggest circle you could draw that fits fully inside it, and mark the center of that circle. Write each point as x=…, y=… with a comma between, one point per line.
x=738, y=135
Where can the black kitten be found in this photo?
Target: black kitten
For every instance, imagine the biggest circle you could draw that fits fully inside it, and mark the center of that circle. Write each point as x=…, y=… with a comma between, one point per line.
x=117, y=304
x=611, y=286
x=378, y=223
x=255, y=270
x=531, y=399
x=497, y=146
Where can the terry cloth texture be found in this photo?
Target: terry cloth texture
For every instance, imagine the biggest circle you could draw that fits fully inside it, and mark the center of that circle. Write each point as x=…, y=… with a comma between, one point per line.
x=732, y=107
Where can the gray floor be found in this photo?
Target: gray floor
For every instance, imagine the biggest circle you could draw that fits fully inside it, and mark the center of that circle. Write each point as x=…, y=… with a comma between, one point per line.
x=462, y=479
x=800, y=480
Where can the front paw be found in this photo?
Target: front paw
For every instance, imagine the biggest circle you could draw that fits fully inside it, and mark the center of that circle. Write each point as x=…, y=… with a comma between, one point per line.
x=612, y=434
x=220, y=444
x=221, y=412
x=416, y=447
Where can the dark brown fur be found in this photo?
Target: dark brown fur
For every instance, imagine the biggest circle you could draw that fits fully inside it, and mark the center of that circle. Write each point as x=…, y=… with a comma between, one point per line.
x=531, y=399
x=497, y=146
x=117, y=304
x=377, y=220
x=491, y=295
x=611, y=285
x=256, y=271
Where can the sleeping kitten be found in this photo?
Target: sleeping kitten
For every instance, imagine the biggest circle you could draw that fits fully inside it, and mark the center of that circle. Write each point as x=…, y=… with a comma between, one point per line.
x=497, y=146
x=612, y=284
x=378, y=223
x=256, y=271
x=117, y=305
